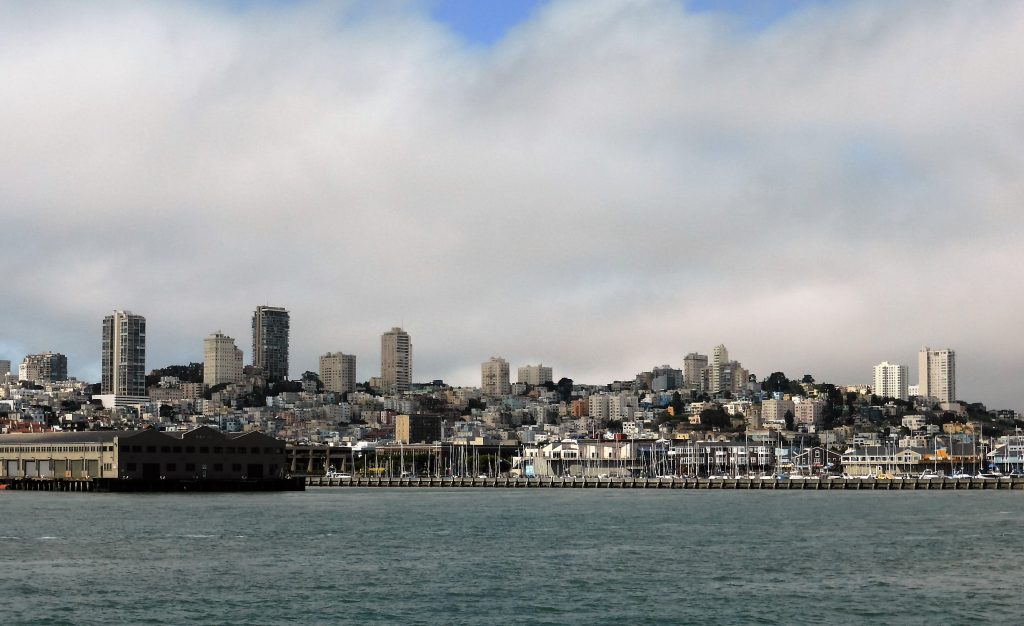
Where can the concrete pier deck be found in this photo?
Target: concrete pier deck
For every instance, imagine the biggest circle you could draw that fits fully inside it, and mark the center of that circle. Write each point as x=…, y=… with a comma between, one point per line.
x=1003, y=483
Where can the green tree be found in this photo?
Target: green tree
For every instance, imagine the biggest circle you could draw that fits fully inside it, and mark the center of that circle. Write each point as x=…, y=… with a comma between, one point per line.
x=714, y=418
x=677, y=404
x=776, y=383
x=307, y=375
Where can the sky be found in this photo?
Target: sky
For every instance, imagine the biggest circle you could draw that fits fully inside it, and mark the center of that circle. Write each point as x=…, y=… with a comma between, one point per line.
x=602, y=186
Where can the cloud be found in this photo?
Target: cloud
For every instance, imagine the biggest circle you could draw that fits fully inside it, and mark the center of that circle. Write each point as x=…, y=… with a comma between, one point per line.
x=605, y=189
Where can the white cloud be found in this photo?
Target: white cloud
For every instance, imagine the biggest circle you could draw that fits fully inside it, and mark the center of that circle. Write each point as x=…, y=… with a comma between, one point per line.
x=610, y=187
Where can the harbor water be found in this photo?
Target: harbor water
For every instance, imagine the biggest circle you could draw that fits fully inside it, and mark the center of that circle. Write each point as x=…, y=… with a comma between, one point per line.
x=490, y=556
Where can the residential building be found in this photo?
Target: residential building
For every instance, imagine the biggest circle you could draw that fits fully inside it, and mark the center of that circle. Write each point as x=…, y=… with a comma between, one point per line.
x=599, y=406
x=494, y=377
x=723, y=375
x=124, y=354
x=535, y=374
x=936, y=372
x=270, y=330
x=719, y=360
x=338, y=372
x=665, y=378
x=396, y=361
x=693, y=368
x=773, y=412
x=808, y=412
x=417, y=428
x=891, y=380
x=48, y=367
x=222, y=360
x=5, y=367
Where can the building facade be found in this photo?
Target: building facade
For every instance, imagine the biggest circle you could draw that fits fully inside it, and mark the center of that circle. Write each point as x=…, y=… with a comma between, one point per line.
x=338, y=372
x=396, y=361
x=494, y=377
x=201, y=453
x=535, y=374
x=124, y=354
x=693, y=370
x=222, y=360
x=891, y=380
x=937, y=374
x=270, y=331
x=417, y=428
x=48, y=367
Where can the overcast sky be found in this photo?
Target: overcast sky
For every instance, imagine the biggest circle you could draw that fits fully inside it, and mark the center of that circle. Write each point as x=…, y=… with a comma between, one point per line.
x=603, y=186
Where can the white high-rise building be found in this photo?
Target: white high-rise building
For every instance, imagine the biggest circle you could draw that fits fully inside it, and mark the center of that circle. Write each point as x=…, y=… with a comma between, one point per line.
x=396, y=361
x=936, y=374
x=338, y=372
x=891, y=380
x=494, y=377
x=535, y=374
x=222, y=360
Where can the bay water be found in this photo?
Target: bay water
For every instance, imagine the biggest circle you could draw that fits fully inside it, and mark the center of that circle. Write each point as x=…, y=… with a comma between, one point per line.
x=495, y=556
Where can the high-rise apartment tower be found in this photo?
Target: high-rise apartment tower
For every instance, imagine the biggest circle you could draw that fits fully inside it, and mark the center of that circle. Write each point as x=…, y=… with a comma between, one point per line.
x=396, y=361
x=891, y=380
x=535, y=374
x=47, y=367
x=222, y=360
x=270, y=327
x=936, y=374
x=494, y=377
x=338, y=372
x=124, y=354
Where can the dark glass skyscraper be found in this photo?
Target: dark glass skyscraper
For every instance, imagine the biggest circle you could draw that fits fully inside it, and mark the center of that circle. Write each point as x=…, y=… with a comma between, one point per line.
x=124, y=354
x=270, y=341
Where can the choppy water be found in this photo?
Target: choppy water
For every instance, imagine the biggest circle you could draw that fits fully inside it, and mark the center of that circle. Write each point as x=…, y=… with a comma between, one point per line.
x=512, y=556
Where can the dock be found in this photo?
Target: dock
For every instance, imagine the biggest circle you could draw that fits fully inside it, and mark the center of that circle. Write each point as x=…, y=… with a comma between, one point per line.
x=817, y=484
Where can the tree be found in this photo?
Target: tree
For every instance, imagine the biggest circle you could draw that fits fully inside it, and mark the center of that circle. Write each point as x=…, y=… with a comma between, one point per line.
x=565, y=389
x=208, y=394
x=714, y=418
x=807, y=379
x=776, y=383
x=677, y=404
x=307, y=375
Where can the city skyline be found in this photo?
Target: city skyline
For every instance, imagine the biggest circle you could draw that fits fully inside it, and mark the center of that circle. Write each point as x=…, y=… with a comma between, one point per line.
x=601, y=186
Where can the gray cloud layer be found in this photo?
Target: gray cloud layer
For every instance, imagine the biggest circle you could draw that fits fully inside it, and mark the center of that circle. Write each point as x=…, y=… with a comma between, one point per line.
x=611, y=186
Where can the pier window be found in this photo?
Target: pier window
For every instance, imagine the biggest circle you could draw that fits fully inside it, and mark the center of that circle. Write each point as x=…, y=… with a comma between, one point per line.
x=150, y=448
x=190, y=467
x=176, y=449
x=236, y=467
x=190, y=449
x=165, y=449
x=218, y=467
x=172, y=467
